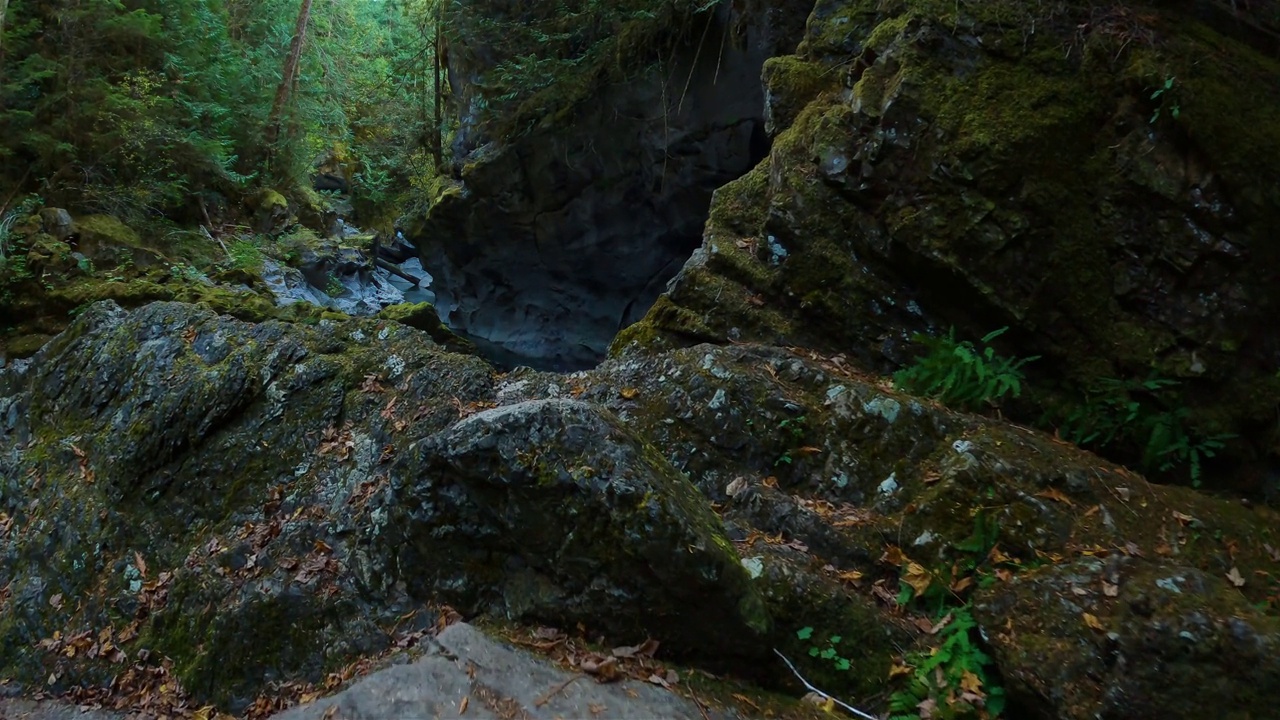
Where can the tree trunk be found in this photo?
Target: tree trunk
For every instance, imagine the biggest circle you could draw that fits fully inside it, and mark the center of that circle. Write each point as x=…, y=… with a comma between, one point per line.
x=290, y=74
x=4, y=5
x=439, y=117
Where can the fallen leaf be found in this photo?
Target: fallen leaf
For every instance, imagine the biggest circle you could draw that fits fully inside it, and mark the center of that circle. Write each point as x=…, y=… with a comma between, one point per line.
x=1275, y=554
x=917, y=577
x=971, y=683
x=140, y=563
x=1057, y=496
x=850, y=576
x=893, y=555
x=1235, y=577
x=462, y=706
x=1183, y=517
x=1110, y=590
x=1093, y=622
x=629, y=393
x=897, y=670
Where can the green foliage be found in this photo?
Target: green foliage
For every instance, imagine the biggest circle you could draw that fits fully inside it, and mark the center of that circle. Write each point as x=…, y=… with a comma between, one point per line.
x=961, y=375
x=245, y=253
x=953, y=678
x=1164, y=94
x=793, y=430
x=551, y=55
x=825, y=651
x=129, y=107
x=1146, y=415
x=334, y=287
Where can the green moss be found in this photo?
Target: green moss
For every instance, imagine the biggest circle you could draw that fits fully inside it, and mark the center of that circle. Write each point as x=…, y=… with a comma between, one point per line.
x=791, y=83
x=97, y=231
x=23, y=346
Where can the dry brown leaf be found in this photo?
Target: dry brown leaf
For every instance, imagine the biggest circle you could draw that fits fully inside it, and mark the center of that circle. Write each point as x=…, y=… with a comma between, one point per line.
x=462, y=706
x=629, y=393
x=1057, y=496
x=1110, y=590
x=893, y=555
x=1093, y=622
x=140, y=563
x=971, y=683
x=917, y=577
x=897, y=670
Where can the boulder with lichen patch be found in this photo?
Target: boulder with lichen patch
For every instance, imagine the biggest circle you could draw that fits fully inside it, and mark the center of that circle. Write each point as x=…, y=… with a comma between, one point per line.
x=1009, y=163
x=554, y=512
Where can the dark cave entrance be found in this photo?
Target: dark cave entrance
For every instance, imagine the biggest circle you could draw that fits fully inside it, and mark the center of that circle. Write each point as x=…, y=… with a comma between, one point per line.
x=569, y=235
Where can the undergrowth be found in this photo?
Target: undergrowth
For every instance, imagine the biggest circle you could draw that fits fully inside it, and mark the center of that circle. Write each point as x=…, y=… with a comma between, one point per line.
x=961, y=375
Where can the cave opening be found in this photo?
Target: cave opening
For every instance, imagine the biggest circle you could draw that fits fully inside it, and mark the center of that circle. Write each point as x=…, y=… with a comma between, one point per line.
x=566, y=236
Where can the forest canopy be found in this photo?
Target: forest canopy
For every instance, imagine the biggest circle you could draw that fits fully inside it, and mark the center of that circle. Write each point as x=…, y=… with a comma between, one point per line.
x=136, y=107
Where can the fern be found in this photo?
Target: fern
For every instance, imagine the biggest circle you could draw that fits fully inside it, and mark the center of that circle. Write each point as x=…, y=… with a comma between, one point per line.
x=954, y=677
x=960, y=375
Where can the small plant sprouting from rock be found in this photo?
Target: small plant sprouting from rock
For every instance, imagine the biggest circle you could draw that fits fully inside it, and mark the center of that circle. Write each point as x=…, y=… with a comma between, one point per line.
x=794, y=429
x=1164, y=94
x=334, y=287
x=1145, y=415
x=245, y=253
x=825, y=651
x=949, y=680
x=961, y=375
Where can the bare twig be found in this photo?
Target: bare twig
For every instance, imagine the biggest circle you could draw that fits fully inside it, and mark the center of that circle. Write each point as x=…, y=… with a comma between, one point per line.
x=546, y=697
x=809, y=685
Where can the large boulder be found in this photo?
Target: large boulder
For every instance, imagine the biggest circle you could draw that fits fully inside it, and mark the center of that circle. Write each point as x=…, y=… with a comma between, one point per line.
x=552, y=511
x=1072, y=172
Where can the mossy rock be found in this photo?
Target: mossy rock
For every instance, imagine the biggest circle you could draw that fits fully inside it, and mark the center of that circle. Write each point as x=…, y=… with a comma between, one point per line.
x=97, y=231
x=423, y=316
x=993, y=166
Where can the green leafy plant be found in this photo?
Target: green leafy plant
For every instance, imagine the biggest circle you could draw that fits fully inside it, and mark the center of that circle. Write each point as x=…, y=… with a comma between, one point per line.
x=825, y=651
x=1146, y=415
x=794, y=430
x=334, y=287
x=245, y=253
x=952, y=679
x=961, y=375
x=1164, y=94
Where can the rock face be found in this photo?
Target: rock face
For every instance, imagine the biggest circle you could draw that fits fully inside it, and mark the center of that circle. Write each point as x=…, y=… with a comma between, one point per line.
x=182, y=489
x=564, y=234
x=984, y=165
x=495, y=682
x=509, y=482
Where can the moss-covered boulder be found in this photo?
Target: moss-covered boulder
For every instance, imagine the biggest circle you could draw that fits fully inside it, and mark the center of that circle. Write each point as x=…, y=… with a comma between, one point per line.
x=841, y=492
x=554, y=512
x=1080, y=177
x=181, y=482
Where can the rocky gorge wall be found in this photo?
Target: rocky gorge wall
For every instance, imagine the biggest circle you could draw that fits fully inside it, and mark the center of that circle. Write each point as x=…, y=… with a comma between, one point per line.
x=554, y=241
x=981, y=165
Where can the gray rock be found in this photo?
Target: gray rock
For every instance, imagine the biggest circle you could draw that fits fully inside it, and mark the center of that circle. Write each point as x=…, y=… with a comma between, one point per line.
x=552, y=511
x=495, y=681
x=57, y=222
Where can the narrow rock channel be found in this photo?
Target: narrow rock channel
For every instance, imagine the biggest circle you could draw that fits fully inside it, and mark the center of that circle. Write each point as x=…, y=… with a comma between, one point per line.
x=556, y=241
